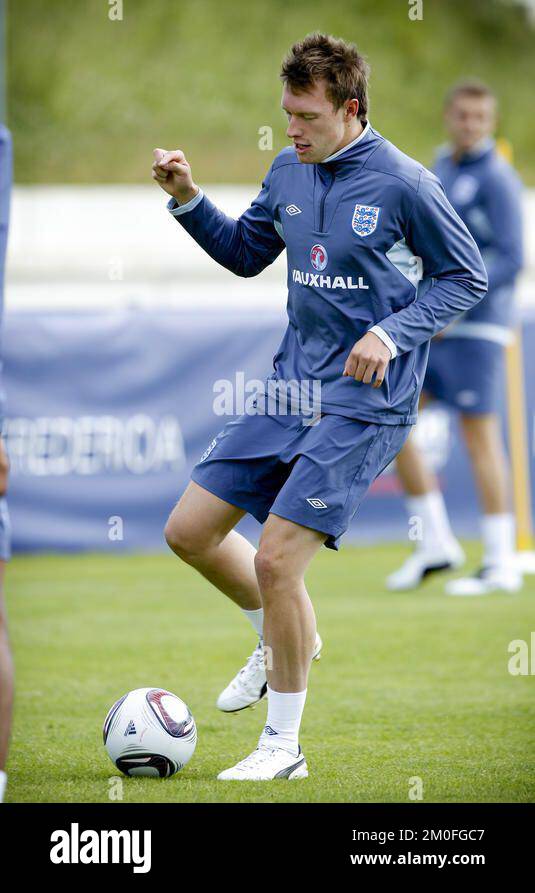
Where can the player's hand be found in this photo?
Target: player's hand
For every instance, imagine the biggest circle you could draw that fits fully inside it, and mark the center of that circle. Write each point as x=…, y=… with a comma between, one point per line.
x=368, y=357
x=173, y=173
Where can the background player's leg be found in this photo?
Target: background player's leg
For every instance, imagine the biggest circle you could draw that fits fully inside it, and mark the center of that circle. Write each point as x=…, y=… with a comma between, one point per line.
x=424, y=497
x=6, y=683
x=484, y=442
x=416, y=478
x=200, y=531
x=436, y=545
x=424, y=500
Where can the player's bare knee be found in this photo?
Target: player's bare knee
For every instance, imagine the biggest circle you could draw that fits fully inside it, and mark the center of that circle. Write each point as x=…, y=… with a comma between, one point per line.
x=271, y=567
x=181, y=538
x=188, y=538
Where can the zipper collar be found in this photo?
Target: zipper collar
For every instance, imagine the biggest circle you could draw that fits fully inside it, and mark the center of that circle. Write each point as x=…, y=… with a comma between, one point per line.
x=352, y=156
x=360, y=138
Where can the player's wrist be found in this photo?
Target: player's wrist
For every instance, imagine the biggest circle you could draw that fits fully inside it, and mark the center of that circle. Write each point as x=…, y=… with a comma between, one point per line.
x=385, y=339
x=183, y=197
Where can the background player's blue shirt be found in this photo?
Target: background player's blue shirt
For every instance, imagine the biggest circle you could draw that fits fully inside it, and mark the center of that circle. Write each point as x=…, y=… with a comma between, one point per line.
x=487, y=194
x=370, y=239
x=5, y=190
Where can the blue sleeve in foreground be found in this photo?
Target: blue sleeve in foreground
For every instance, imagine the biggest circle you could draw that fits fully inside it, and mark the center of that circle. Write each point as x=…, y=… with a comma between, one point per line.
x=452, y=261
x=246, y=245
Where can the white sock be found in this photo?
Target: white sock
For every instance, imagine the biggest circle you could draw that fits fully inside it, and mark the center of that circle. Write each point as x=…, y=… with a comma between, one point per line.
x=285, y=710
x=434, y=526
x=256, y=618
x=3, y=782
x=498, y=535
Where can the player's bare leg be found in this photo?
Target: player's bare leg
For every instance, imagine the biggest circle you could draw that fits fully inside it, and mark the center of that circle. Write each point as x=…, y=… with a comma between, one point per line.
x=484, y=442
x=6, y=679
x=200, y=531
x=436, y=546
x=417, y=479
x=284, y=553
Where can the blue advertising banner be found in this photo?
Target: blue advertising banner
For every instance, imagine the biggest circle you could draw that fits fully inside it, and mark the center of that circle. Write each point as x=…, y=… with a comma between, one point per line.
x=107, y=413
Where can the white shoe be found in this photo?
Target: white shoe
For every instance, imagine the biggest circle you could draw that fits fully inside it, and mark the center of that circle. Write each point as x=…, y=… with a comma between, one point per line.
x=249, y=686
x=265, y=764
x=489, y=579
x=422, y=564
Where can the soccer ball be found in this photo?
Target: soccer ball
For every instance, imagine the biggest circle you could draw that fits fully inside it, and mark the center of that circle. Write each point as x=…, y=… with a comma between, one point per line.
x=150, y=731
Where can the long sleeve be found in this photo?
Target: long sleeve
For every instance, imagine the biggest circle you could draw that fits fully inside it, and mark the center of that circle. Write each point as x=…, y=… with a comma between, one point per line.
x=503, y=204
x=450, y=259
x=246, y=245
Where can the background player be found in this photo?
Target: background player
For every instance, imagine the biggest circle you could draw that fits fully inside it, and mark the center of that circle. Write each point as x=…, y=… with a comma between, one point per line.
x=6, y=666
x=353, y=212
x=466, y=362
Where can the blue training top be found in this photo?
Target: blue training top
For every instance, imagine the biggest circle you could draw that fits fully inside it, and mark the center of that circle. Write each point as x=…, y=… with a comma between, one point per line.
x=371, y=239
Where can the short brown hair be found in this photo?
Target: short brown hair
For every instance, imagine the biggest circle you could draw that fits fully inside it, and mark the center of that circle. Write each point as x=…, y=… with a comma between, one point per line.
x=322, y=57
x=472, y=87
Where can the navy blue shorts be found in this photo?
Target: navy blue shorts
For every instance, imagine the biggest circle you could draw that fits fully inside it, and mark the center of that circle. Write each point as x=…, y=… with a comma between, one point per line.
x=313, y=475
x=5, y=531
x=466, y=373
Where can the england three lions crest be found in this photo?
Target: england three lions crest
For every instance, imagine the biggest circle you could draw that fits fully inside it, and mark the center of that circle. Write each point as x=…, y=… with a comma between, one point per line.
x=365, y=219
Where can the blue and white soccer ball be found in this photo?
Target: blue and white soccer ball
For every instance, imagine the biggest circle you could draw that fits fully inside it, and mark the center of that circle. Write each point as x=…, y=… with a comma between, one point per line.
x=150, y=731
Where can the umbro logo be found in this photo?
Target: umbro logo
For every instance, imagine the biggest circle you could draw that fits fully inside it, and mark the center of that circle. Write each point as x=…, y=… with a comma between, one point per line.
x=293, y=209
x=208, y=451
x=316, y=503
x=130, y=729
x=269, y=731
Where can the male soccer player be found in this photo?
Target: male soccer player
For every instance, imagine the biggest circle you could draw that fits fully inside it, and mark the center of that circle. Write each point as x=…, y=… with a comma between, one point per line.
x=378, y=263
x=6, y=666
x=466, y=362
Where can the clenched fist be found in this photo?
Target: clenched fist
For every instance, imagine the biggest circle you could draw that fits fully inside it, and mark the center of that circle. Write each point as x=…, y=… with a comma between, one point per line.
x=173, y=173
x=368, y=356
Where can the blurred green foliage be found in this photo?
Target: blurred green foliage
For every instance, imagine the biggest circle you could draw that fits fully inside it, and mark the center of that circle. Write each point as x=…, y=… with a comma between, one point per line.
x=89, y=98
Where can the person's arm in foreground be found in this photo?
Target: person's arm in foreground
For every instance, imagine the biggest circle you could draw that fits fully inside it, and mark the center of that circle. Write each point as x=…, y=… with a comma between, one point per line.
x=246, y=245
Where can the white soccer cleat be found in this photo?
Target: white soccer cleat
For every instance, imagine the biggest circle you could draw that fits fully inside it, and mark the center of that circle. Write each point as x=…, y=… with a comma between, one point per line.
x=421, y=564
x=249, y=686
x=266, y=764
x=489, y=579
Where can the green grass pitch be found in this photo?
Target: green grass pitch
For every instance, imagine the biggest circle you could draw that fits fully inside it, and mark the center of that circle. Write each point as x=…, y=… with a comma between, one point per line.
x=409, y=684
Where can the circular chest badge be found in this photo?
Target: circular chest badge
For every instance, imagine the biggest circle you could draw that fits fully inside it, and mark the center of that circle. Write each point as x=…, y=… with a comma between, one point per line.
x=318, y=257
